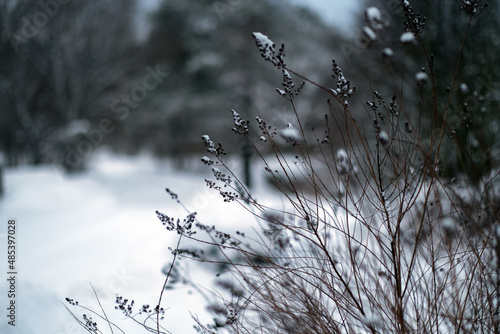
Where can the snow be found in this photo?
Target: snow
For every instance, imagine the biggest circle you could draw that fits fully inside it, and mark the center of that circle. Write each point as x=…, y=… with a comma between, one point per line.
x=448, y=225
x=464, y=89
x=100, y=227
x=375, y=19
x=342, y=155
x=373, y=14
x=421, y=77
x=265, y=45
x=387, y=52
x=373, y=320
x=287, y=75
x=281, y=92
x=370, y=34
x=343, y=165
x=383, y=137
x=407, y=37
x=290, y=134
x=206, y=160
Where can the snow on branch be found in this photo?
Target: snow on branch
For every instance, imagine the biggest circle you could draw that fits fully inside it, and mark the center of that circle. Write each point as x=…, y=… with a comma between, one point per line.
x=268, y=50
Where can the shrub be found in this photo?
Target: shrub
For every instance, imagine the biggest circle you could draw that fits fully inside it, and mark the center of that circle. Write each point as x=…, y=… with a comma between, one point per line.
x=371, y=238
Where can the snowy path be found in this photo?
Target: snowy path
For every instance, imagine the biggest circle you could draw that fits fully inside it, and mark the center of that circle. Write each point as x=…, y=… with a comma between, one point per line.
x=98, y=227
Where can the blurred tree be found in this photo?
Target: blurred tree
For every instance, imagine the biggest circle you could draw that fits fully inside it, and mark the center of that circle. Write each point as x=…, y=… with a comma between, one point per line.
x=59, y=63
x=214, y=66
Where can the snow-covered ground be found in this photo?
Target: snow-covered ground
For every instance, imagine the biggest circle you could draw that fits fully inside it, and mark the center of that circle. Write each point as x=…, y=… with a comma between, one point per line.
x=100, y=227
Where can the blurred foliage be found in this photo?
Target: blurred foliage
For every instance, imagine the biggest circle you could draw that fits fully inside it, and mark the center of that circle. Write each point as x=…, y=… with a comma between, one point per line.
x=215, y=66
x=57, y=71
x=470, y=143
x=74, y=76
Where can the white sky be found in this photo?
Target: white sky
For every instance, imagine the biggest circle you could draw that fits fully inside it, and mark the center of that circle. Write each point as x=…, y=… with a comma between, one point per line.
x=335, y=12
x=338, y=13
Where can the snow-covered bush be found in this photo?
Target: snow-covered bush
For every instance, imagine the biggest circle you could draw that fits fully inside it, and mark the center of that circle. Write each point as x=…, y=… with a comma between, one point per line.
x=369, y=239
x=379, y=242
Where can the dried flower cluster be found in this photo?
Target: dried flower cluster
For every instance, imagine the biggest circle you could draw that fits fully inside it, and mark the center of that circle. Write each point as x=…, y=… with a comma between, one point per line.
x=344, y=90
x=268, y=51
